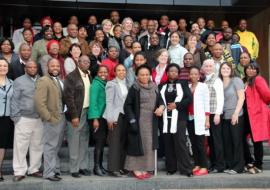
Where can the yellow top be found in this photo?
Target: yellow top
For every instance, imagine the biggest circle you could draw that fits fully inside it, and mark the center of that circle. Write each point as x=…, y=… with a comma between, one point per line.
x=249, y=40
x=87, y=85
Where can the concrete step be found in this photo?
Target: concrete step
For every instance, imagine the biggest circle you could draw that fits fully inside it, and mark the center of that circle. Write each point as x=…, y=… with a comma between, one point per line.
x=160, y=182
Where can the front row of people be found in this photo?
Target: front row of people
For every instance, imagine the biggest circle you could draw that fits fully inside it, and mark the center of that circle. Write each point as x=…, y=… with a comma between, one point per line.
x=131, y=118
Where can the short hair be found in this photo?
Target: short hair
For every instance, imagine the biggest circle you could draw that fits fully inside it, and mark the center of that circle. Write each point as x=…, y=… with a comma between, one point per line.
x=10, y=42
x=23, y=45
x=115, y=26
x=52, y=59
x=230, y=66
x=172, y=65
x=135, y=42
x=27, y=29
x=144, y=66
x=126, y=36
x=118, y=65
x=194, y=67
x=45, y=28
x=106, y=21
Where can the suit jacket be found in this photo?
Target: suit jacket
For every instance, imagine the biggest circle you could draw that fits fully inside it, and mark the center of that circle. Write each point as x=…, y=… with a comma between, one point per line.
x=144, y=42
x=74, y=94
x=114, y=102
x=48, y=98
x=66, y=43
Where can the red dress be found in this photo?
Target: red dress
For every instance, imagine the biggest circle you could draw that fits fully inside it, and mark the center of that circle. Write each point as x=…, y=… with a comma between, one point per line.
x=258, y=99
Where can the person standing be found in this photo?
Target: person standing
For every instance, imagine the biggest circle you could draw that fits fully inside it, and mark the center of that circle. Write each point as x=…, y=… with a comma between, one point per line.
x=216, y=91
x=176, y=97
x=76, y=95
x=232, y=128
x=142, y=138
x=96, y=109
x=116, y=92
x=49, y=104
x=248, y=39
x=198, y=122
x=28, y=125
x=7, y=127
x=257, y=100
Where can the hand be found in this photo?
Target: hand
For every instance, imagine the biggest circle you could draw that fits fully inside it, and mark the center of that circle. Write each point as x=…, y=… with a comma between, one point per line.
x=216, y=119
x=133, y=128
x=234, y=120
x=171, y=106
x=110, y=125
x=159, y=111
x=95, y=124
x=207, y=123
x=75, y=122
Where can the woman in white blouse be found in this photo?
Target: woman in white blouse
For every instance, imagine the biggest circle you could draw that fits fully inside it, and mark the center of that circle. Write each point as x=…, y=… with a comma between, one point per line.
x=198, y=124
x=71, y=61
x=116, y=92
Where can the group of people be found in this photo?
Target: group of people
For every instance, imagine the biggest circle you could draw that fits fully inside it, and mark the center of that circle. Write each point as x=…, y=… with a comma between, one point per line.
x=137, y=87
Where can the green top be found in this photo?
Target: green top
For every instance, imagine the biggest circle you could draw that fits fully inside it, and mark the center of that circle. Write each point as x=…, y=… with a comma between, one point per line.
x=97, y=98
x=239, y=71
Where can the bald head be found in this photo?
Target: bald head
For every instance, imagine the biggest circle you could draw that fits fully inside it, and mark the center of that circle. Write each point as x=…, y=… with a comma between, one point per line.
x=72, y=30
x=53, y=67
x=173, y=26
x=31, y=68
x=84, y=63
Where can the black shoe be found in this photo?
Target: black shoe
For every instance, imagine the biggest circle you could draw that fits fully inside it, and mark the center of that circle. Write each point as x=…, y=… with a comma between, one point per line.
x=213, y=171
x=171, y=172
x=85, y=172
x=114, y=174
x=189, y=174
x=1, y=178
x=124, y=172
x=18, y=178
x=75, y=175
x=54, y=178
x=97, y=171
x=57, y=174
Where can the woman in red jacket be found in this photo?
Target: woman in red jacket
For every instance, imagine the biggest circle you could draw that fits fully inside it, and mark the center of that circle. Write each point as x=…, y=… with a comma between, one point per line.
x=257, y=101
x=159, y=75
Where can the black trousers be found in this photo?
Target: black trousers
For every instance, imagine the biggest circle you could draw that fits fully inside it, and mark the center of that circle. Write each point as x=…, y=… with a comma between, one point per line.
x=198, y=149
x=100, y=135
x=232, y=138
x=176, y=151
x=258, y=146
x=216, y=145
x=116, y=143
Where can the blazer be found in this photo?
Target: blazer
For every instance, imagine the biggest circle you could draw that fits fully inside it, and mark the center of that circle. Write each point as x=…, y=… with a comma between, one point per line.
x=97, y=99
x=132, y=112
x=47, y=99
x=114, y=101
x=201, y=106
x=5, y=97
x=74, y=94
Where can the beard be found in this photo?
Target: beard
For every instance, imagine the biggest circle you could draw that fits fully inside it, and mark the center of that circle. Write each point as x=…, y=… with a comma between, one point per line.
x=54, y=73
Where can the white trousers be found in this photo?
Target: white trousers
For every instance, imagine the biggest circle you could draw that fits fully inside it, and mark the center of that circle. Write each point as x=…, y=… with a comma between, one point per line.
x=28, y=135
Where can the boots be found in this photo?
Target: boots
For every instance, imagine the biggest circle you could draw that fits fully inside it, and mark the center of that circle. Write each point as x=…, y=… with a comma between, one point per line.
x=97, y=170
x=103, y=170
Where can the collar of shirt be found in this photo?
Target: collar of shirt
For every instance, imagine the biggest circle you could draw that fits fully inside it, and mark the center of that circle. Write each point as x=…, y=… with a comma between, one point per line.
x=22, y=62
x=209, y=76
x=83, y=74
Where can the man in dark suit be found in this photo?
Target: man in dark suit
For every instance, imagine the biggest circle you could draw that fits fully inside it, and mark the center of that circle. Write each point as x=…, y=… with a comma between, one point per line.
x=76, y=94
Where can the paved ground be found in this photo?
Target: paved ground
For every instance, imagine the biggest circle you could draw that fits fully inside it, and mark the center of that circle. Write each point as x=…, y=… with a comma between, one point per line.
x=160, y=182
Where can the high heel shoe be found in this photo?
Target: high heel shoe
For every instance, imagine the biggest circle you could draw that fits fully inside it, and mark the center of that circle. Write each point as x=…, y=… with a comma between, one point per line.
x=140, y=177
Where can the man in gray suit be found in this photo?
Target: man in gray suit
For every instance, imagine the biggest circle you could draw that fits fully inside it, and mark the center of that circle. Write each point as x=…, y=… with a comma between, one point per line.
x=76, y=93
x=50, y=106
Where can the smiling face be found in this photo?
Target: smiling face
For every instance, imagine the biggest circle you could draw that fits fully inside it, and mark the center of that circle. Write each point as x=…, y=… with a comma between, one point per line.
x=96, y=50
x=84, y=63
x=163, y=58
x=217, y=51
x=31, y=68
x=194, y=75
x=48, y=34
x=28, y=36
x=3, y=68
x=54, y=67
x=6, y=47
x=117, y=31
x=188, y=60
x=72, y=30
x=54, y=49
x=128, y=40
x=139, y=60
x=192, y=42
x=175, y=39
x=211, y=40
x=113, y=53
x=103, y=73
x=120, y=71
x=25, y=52
x=136, y=47
x=244, y=59
x=75, y=52
x=99, y=35
x=57, y=28
x=107, y=26
x=225, y=71
x=209, y=66
x=143, y=76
